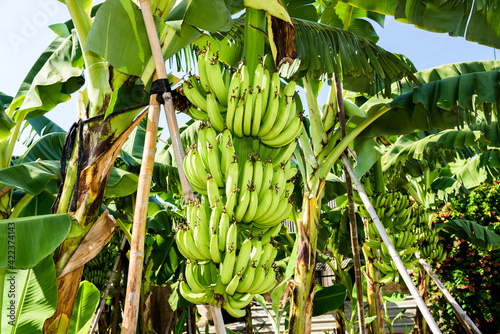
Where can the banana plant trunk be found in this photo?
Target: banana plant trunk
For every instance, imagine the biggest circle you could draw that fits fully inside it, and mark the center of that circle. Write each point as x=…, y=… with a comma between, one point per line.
x=301, y=306
x=102, y=141
x=374, y=293
x=423, y=282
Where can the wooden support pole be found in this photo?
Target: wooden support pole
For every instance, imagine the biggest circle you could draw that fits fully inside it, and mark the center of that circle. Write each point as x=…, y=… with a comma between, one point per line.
x=352, y=214
x=108, y=286
x=392, y=251
x=133, y=295
x=464, y=319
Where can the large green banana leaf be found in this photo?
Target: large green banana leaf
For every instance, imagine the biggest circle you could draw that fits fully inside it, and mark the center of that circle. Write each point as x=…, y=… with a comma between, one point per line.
x=33, y=177
x=31, y=296
x=441, y=104
x=476, y=20
x=472, y=232
x=26, y=241
x=55, y=76
x=335, y=13
x=433, y=149
x=86, y=303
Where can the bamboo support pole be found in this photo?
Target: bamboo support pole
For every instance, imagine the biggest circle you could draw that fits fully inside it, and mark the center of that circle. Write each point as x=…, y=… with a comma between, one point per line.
x=464, y=319
x=108, y=286
x=352, y=215
x=133, y=295
x=392, y=251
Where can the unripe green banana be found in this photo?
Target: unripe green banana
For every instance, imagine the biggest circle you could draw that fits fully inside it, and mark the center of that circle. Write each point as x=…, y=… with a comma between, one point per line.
x=257, y=113
x=267, y=178
x=237, y=313
x=243, y=257
x=216, y=80
x=271, y=233
x=214, y=247
x=193, y=94
x=202, y=72
x=191, y=274
x=244, y=201
x=258, y=174
x=252, y=207
x=248, y=278
x=179, y=238
x=239, y=301
x=193, y=297
x=232, y=178
x=215, y=165
x=213, y=191
x=190, y=244
x=232, y=237
x=239, y=113
x=227, y=265
x=260, y=275
x=249, y=111
x=271, y=113
x=268, y=283
x=267, y=250
x=214, y=113
x=233, y=284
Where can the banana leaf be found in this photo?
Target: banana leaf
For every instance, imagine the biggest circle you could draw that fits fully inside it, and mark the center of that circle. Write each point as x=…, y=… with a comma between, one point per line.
x=33, y=177
x=86, y=303
x=328, y=299
x=28, y=240
x=55, y=76
x=432, y=149
x=28, y=298
x=471, y=231
x=441, y=104
x=476, y=20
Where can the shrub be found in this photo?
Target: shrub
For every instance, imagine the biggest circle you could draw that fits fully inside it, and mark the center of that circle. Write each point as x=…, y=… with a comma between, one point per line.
x=470, y=273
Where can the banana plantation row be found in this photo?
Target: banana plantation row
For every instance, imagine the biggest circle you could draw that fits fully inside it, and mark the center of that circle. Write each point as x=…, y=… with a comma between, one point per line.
x=264, y=144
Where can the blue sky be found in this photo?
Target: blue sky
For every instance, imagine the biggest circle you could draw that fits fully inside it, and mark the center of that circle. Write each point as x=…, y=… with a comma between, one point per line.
x=25, y=34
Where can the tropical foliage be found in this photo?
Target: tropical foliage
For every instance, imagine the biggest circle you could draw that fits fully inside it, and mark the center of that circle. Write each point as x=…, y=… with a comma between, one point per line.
x=423, y=138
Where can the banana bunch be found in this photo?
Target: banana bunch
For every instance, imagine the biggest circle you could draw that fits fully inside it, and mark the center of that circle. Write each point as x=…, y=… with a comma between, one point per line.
x=427, y=239
x=392, y=205
x=96, y=270
x=240, y=274
x=250, y=190
x=247, y=107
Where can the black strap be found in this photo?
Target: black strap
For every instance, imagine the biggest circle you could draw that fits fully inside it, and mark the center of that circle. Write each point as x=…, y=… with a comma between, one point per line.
x=159, y=87
x=79, y=165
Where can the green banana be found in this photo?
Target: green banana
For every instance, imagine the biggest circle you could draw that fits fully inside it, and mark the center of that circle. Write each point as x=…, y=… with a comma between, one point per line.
x=194, y=95
x=227, y=265
x=243, y=257
x=216, y=80
x=193, y=297
x=214, y=247
x=252, y=207
x=214, y=114
x=249, y=111
x=233, y=284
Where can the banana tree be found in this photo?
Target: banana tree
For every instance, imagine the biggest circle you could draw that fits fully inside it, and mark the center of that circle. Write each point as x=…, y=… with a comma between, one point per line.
x=109, y=108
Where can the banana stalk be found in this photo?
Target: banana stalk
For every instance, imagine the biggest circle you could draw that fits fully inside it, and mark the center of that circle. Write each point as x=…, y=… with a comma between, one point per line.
x=255, y=26
x=373, y=290
x=303, y=293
